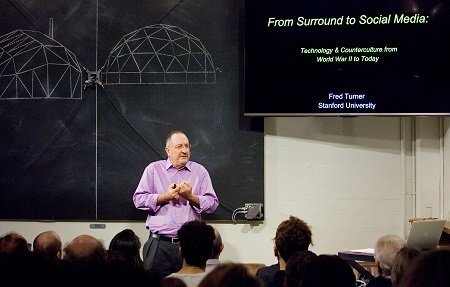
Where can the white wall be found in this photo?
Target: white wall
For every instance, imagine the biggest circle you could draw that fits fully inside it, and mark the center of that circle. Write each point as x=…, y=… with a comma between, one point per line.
x=352, y=179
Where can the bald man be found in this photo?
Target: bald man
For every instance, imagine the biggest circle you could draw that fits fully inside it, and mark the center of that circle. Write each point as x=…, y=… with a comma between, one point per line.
x=84, y=248
x=13, y=244
x=48, y=245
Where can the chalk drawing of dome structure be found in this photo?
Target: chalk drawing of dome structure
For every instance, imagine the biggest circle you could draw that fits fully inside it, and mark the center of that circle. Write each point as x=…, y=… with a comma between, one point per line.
x=159, y=54
x=34, y=66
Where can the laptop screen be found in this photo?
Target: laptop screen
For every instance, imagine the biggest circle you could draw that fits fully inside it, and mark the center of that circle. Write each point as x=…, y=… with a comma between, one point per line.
x=425, y=234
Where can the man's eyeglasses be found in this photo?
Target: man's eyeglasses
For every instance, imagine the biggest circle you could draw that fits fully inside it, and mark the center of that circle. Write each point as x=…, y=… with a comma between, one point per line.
x=181, y=146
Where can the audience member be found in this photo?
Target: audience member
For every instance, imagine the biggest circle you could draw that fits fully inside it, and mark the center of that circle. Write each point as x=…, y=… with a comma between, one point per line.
x=48, y=245
x=117, y=270
x=252, y=268
x=328, y=271
x=230, y=275
x=196, y=241
x=87, y=262
x=116, y=262
x=16, y=260
x=128, y=243
x=292, y=235
x=172, y=282
x=84, y=261
x=295, y=267
x=13, y=243
x=386, y=248
x=267, y=273
x=217, y=248
x=84, y=248
x=21, y=267
x=429, y=269
x=402, y=261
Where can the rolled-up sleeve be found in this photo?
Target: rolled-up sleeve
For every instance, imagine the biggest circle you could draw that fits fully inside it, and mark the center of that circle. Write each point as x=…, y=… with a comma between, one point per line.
x=145, y=196
x=207, y=197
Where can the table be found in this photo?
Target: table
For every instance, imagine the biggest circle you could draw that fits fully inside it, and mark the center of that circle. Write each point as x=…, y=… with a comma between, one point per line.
x=361, y=255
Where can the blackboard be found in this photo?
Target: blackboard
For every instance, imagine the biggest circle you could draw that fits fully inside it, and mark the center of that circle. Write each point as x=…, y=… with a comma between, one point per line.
x=81, y=116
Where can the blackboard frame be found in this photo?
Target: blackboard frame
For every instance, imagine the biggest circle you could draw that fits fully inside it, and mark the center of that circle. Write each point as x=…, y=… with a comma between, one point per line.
x=80, y=158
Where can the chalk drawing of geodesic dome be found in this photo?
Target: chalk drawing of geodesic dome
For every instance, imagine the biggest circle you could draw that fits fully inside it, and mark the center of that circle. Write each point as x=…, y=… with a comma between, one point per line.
x=159, y=54
x=34, y=66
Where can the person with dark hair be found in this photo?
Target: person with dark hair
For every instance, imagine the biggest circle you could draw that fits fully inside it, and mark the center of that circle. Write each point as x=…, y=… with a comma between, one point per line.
x=217, y=248
x=116, y=268
x=173, y=191
x=116, y=263
x=128, y=243
x=429, y=269
x=295, y=267
x=196, y=242
x=172, y=282
x=267, y=273
x=328, y=271
x=402, y=261
x=292, y=235
x=48, y=244
x=230, y=275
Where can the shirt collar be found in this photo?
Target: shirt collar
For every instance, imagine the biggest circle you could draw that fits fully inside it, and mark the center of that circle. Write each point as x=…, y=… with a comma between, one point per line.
x=170, y=165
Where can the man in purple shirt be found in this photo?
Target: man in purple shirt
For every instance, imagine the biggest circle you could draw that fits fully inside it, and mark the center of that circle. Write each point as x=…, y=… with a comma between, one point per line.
x=172, y=191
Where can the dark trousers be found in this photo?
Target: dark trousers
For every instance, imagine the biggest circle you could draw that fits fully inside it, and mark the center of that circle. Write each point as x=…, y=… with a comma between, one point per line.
x=161, y=257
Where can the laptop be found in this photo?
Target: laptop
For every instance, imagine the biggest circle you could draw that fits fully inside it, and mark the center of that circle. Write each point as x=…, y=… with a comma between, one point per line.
x=425, y=234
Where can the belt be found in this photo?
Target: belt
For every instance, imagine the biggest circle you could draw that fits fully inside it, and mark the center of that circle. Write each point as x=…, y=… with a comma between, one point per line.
x=173, y=240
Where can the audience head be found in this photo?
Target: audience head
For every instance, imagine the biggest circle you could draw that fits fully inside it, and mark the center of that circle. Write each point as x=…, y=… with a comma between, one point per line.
x=115, y=269
x=295, y=267
x=402, y=261
x=386, y=249
x=196, y=241
x=48, y=245
x=20, y=266
x=13, y=244
x=292, y=235
x=116, y=263
x=84, y=248
x=217, y=245
x=87, y=262
x=128, y=243
x=429, y=269
x=230, y=275
x=328, y=271
x=172, y=282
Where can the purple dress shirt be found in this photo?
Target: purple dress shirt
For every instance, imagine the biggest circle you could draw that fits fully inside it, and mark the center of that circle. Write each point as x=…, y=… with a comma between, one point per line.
x=167, y=219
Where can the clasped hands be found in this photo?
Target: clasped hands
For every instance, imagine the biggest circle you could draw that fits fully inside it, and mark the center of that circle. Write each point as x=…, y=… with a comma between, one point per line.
x=183, y=189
